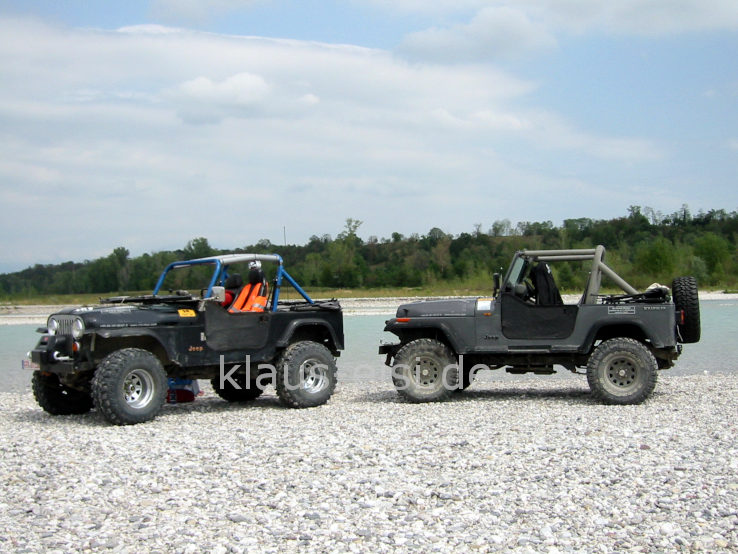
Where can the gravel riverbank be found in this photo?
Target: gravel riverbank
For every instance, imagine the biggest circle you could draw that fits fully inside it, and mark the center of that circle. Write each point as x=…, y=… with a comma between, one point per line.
x=532, y=465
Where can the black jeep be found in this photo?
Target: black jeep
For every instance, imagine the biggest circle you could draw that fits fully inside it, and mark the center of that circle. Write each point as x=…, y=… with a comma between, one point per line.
x=621, y=340
x=235, y=332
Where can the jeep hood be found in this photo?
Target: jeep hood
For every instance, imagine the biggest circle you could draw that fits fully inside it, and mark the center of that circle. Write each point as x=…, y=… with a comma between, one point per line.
x=130, y=315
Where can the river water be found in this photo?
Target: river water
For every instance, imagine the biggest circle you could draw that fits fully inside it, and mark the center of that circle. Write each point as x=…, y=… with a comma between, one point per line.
x=717, y=352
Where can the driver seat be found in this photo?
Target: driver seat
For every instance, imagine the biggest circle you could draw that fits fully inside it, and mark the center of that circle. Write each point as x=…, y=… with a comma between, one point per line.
x=252, y=297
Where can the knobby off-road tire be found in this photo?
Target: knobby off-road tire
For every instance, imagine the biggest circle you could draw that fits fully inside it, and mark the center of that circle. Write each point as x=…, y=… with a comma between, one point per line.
x=247, y=391
x=622, y=371
x=425, y=370
x=466, y=380
x=129, y=386
x=306, y=375
x=686, y=299
x=56, y=398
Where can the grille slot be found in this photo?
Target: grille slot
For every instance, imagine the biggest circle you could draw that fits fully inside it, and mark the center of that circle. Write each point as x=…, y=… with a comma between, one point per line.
x=65, y=324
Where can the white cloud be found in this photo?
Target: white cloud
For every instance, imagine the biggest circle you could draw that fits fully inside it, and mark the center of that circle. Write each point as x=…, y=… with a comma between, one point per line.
x=653, y=17
x=505, y=28
x=198, y=10
x=493, y=33
x=204, y=100
x=96, y=138
x=436, y=7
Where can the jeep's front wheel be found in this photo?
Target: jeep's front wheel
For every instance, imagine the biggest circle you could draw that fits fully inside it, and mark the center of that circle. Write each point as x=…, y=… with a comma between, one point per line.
x=306, y=375
x=56, y=398
x=425, y=370
x=129, y=386
x=622, y=371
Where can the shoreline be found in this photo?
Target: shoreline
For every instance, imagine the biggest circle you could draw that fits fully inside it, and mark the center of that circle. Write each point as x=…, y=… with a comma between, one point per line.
x=36, y=314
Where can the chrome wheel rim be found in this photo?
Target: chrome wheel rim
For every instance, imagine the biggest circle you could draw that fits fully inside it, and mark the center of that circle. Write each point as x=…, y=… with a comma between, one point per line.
x=314, y=376
x=138, y=388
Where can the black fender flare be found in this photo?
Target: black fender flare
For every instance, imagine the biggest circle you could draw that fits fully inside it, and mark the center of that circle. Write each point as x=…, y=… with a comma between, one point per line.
x=169, y=350
x=297, y=325
x=643, y=333
x=433, y=329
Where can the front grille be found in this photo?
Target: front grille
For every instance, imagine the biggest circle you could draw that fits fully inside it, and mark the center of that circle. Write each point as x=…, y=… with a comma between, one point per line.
x=65, y=324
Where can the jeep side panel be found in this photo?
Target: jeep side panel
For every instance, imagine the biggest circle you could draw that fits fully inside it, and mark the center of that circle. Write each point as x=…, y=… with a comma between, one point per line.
x=272, y=331
x=483, y=333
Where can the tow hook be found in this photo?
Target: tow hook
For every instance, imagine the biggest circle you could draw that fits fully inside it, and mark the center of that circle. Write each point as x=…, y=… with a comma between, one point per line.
x=60, y=358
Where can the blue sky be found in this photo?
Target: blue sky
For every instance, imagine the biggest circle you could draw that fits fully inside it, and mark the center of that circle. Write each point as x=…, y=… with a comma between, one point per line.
x=148, y=123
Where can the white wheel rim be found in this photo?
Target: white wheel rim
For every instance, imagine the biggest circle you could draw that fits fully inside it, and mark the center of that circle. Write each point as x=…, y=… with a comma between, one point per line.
x=138, y=388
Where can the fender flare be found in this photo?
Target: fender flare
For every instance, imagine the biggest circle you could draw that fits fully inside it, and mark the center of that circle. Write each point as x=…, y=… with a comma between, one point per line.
x=130, y=332
x=632, y=323
x=438, y=327
x=293, y=326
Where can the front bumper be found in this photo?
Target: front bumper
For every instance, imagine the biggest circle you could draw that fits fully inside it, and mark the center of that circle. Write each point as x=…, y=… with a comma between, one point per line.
x=55, y=354
x=389, y=350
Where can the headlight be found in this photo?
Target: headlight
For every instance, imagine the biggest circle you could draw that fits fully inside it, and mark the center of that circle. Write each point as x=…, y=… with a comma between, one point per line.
x=52, y=325
x=78, y=328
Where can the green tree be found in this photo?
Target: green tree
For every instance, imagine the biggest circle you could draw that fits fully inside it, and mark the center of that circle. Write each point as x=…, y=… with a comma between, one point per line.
x=655, y=258
x=715, y=251
x=198, y=248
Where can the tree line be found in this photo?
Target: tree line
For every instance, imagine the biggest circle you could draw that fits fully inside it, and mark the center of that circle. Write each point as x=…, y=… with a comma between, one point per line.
x=644, y=246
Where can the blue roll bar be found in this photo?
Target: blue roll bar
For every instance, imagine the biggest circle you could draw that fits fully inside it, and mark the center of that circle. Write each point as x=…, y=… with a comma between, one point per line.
x=221, y=272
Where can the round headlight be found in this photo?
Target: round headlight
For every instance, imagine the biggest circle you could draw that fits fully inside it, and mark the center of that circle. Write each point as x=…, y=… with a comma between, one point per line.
x=52, y=325
x=78, y=328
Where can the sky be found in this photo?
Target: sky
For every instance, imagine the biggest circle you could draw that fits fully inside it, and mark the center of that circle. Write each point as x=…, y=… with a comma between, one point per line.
x=146, y=124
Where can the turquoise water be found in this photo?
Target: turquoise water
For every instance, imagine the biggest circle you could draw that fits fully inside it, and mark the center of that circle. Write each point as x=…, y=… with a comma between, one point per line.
x=717, y=352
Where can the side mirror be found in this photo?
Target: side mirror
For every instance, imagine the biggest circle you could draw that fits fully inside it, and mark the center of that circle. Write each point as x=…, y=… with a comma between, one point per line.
x=218, y=294
x=496, y=283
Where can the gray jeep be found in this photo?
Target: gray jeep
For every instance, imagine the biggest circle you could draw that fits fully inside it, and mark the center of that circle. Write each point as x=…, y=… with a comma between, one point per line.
x=621, y=340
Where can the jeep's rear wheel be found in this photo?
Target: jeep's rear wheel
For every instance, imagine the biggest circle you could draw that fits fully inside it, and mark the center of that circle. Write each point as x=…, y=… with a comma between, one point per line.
x=129, y=386
x=241, y=392
x=425, y=370
x=687, y=302
x=622, y=371
x=465, y=380
x=56, y=398
x=306, y=375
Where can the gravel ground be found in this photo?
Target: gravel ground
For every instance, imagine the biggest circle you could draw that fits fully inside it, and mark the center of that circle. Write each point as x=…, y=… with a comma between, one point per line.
x=530, y=465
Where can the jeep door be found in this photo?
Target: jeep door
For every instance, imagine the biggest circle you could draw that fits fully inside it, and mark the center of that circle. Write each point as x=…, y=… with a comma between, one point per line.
x=245, y=331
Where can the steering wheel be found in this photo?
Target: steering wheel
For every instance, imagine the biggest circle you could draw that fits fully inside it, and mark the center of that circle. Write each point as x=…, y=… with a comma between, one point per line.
x=525, y=290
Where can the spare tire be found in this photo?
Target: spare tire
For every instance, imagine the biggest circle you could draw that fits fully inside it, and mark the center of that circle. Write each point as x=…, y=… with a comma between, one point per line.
x=687, y=302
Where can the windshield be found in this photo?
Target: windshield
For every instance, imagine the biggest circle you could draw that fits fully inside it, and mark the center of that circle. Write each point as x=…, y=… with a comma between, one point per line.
x=516, y=273
x=190, y=278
